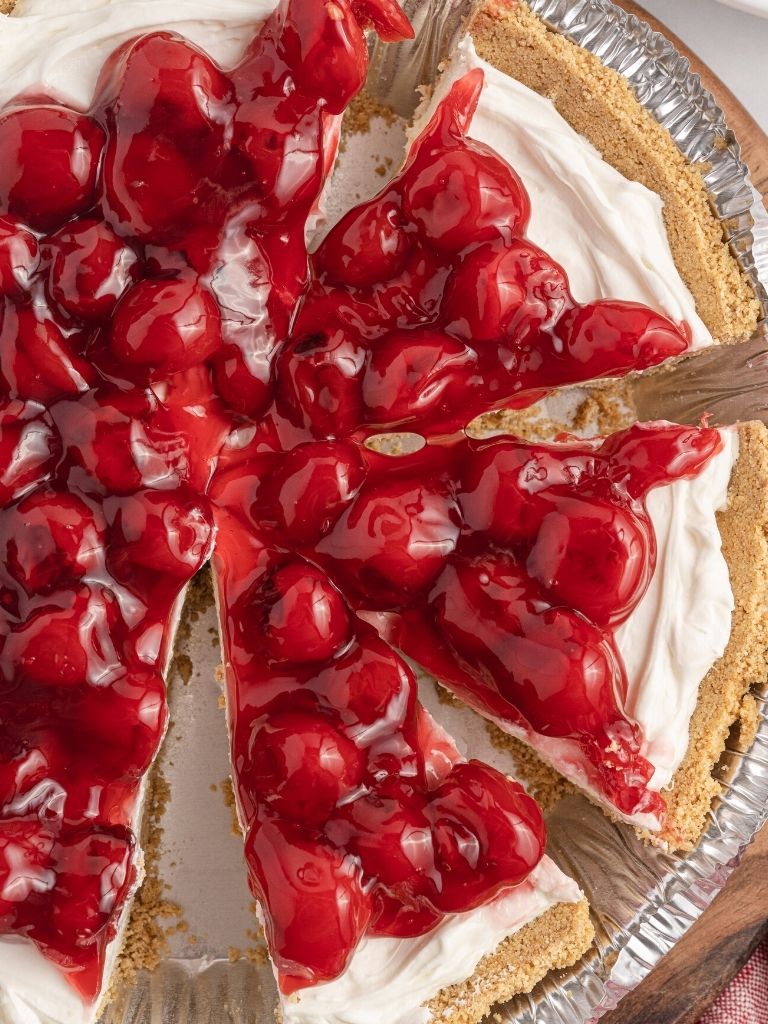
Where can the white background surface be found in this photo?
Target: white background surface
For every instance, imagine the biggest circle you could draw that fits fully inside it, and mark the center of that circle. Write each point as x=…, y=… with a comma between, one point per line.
x=733, y=44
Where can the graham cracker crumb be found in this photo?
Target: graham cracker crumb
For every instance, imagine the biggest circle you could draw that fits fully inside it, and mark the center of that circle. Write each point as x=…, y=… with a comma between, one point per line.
x=599, y=104
x=145, y=942
x=606, y=409
x=545, y=785
x=198, y=598
x=228, y=792
x=360, y=113
x=553, y=941
x=748, y=722
x=529, y=423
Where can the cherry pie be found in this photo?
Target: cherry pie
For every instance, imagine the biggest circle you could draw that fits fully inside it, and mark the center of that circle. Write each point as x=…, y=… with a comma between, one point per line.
x=181, y=380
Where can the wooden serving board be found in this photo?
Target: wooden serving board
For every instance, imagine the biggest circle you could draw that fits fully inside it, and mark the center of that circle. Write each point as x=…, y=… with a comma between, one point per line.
x=702, y=964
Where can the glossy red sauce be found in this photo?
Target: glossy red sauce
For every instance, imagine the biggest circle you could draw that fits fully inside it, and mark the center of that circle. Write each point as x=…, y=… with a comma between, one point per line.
x=171, y=365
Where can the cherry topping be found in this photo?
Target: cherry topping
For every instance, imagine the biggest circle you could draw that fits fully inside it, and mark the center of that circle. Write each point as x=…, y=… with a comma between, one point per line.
x=306, y=618
x=50, y=162
x=464, y=196
x=594, y=556
x=415, y=373
x=395, y=537
x=19, y=257
x=366, y=246
x=166, y=325
x=90, y=269
x=312, y=487
x=162, y=531
x=316, y=909
x=302, y=766
x=50, y=540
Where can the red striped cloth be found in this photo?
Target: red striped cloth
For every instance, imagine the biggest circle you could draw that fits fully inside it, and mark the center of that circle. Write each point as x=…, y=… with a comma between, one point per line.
x=745, y=1001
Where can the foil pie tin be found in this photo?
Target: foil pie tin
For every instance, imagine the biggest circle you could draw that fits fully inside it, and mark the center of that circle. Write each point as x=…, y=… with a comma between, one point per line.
x=642, y=899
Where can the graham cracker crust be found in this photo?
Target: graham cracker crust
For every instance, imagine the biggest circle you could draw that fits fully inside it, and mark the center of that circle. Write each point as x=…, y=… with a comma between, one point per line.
x=599, y=104
x=553, y=941
x=724, y=699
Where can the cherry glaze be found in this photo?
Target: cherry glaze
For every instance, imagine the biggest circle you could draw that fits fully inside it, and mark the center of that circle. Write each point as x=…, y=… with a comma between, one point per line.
x=173, y=365
x=151, y=251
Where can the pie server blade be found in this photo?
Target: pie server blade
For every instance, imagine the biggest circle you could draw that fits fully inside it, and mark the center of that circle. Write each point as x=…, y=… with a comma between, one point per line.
x=727, y=383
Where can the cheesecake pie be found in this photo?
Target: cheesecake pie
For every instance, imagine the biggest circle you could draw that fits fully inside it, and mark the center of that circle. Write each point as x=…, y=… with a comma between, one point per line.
x=186, y=379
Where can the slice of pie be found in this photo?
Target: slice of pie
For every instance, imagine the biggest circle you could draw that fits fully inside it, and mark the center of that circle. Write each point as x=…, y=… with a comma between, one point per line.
x=178, y=377
x=599, y=168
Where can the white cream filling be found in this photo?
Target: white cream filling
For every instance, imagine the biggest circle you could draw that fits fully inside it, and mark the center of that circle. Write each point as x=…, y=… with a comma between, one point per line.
x=606, y=232
x=391, y=979
x=679, y=629
x=60, y=46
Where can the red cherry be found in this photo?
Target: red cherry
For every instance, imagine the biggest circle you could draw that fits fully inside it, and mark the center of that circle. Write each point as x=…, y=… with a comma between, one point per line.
x=505, y=294
x=415, y=375
x=488, y=836
x=390, y=831
x=51, y=540
x=26, y=867
x=594, y=556
x=306, y=618
x=35, y=357
x=314, y=483
x=94, y=876
x=109, y=435
x=648, y=454
x=167, y=532
x=316, y=909
x=171, y=108
x=121, y=724
x=372, y=688
x=367, y=246
x=394, y=539
x=301, y=765
x=549, y=663
x=319, y=379
x=507, y=487
x=265, y=135
x=166, y=325
x=64, y=645
x=50, y=162
x=610, y=337
x=91, y=268
x=28, y=447
x=465, y=195
x=325, y=48
x=19, y=257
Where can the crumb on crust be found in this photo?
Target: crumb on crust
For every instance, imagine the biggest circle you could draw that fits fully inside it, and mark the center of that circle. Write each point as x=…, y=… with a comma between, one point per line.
x=724, y=695
x=557, y=939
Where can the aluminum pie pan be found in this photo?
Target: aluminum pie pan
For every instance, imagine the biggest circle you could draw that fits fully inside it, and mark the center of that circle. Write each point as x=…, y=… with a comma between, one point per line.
x=643, y=899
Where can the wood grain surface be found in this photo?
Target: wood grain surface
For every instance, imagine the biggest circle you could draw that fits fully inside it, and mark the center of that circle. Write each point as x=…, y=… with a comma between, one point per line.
x=702, y=964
